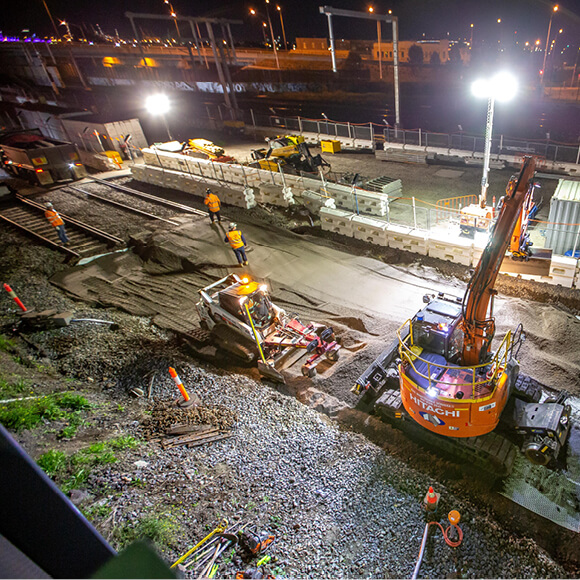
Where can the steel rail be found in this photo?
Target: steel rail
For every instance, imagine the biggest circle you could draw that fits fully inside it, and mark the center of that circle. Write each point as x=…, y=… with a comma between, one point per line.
x=53, y=245
x=121, y=205
x=154, y=198
x=90, y=230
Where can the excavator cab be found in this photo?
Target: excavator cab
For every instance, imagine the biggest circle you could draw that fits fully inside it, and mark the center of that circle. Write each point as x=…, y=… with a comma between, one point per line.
x=436, y=328
x=235, y=298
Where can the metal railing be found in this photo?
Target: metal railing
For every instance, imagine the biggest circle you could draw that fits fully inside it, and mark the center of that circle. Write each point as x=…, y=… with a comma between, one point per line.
x=486, y=373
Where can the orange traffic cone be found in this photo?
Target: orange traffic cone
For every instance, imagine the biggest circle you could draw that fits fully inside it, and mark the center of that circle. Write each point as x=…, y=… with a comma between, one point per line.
x=431, y=500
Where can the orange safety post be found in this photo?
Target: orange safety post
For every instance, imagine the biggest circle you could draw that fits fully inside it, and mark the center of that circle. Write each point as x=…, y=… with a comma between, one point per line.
x=179, y=384
x=431, y=500
x=12, y=295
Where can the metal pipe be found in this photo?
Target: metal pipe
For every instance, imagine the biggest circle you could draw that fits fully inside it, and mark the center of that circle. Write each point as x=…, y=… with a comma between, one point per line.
x=421, y=552
x=396, y=70
x=331, y=35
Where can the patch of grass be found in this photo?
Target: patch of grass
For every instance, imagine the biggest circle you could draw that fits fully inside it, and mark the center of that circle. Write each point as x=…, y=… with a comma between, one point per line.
x=123, y=442
x=96, y=511
x=73, y=472
x=7, y=344
x=21, y=415
x=161, y=529
x=13, y=388
x=52, y=462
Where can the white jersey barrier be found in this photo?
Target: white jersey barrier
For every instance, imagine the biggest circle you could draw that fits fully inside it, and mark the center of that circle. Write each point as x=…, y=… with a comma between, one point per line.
x=244, y=187
x=563, y=270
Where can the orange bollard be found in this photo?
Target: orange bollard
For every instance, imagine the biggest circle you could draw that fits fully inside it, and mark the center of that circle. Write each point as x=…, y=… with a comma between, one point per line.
x=431, y=500
x=179, y=384
x=12, y=295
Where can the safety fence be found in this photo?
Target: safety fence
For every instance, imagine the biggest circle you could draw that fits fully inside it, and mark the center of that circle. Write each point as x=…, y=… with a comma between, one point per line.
x=373, y=133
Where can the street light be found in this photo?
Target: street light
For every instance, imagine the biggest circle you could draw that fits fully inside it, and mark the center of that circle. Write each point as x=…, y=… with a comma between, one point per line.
x=554, y=10
x=254, y=12
x=174, y=15
x=282, y=24
x=68, y=32
x=159, y=105
x=272, y=34
x=502, y=87
x=371, y=10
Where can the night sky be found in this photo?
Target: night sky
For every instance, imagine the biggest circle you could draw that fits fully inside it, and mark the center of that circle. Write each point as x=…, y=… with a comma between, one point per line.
x=431, y=18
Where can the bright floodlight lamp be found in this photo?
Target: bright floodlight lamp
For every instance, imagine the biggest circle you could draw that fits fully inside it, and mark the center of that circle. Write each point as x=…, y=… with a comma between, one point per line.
x=503, y=87
x=157, y=104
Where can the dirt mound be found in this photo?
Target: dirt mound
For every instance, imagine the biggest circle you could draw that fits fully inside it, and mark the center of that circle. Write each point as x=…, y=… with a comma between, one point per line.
x=353, y=323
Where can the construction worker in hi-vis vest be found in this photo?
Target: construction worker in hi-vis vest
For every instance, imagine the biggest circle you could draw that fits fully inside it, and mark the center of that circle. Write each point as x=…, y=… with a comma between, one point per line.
x=56, y=221
x=237, y=241
x=213, y=205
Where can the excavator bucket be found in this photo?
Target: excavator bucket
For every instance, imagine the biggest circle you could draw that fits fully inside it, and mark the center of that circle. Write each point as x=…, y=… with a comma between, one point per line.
x=538, y=264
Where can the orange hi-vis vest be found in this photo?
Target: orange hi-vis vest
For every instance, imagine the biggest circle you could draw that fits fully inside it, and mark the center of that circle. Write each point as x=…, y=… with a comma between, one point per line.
x=235, y=239
x=213, y=202
x=54, y=219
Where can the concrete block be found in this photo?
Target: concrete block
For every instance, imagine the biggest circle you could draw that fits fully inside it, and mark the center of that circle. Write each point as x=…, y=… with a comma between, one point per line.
x=314, y=201
x=139, y=172
x=336, y=220
x=408, y=239
x=370, y=230
x=452, y=249
x=564, y=271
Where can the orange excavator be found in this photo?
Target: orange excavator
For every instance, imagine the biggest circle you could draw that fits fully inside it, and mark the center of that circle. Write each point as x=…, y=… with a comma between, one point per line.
x=442, y=374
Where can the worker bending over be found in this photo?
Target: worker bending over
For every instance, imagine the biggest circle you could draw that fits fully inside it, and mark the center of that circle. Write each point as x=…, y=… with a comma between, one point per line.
x=238, y=243
x=213, y=205
x=56, y=221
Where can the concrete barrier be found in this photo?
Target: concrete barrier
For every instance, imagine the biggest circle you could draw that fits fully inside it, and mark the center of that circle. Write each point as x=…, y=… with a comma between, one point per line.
x=276, y=195
x=451, y=249
x=370, y=230
x=315, y=201
x=336, y=220
x=408, y=239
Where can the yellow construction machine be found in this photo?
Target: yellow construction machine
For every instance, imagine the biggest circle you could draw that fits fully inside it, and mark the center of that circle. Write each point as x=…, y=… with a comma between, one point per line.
x=289, y=152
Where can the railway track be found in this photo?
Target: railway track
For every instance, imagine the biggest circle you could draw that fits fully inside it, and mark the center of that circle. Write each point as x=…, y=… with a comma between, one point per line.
x=85, y=240
x=151, y=198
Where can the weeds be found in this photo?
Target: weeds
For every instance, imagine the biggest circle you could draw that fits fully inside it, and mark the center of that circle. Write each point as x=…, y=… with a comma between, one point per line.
x=74, y=471
x=159, y=528
x=6, y=344
x=9, y=389
x=21, y=415
x=123, y=442
x=52, y=462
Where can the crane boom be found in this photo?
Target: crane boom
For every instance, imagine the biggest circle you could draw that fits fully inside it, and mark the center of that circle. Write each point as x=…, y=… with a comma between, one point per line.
x=478, y=325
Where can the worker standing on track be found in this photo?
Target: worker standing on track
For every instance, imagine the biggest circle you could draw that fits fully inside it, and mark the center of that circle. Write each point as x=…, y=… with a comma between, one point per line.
x=238, y=243
x=213, y=205
x=56, y=221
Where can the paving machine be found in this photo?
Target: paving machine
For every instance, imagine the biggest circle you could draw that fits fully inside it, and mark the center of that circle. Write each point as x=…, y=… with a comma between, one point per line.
x=291, y=152
x=242, y=319
x=442, y=376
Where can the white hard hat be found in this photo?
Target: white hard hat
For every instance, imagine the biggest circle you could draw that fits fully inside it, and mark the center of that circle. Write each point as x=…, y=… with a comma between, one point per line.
x=48, y=204
x=233, y=226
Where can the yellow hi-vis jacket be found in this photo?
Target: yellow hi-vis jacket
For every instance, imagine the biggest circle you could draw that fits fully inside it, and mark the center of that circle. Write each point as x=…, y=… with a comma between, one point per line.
x=213, y=202
x=54, y=219
x=235, y=239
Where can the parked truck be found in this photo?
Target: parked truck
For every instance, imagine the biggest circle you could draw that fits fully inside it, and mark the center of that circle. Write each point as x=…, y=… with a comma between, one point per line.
x=32, y=156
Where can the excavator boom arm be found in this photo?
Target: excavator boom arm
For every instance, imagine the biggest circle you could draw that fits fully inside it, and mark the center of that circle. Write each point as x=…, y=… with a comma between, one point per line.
x=478, y=327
